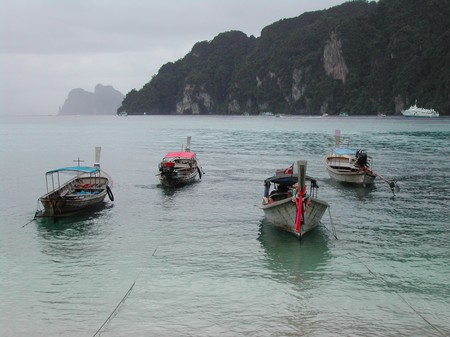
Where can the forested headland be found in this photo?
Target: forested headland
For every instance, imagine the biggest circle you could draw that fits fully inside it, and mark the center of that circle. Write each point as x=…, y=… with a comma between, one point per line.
x=360, y=57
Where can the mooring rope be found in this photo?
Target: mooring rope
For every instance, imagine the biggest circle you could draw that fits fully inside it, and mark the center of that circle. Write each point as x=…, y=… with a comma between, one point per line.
x=116, y=308
x=112, y=315
x=29, y=222
x=399, y=295
x=332, y=225
x=35, y=215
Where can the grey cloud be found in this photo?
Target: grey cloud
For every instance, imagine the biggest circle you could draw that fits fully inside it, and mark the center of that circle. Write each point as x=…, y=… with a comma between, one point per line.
x=49, y=47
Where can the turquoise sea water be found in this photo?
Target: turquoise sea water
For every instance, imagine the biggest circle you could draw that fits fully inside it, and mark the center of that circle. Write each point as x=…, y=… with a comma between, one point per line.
x=203, y=259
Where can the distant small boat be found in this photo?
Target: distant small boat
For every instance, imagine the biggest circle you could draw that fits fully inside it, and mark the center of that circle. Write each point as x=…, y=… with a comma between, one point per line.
x=344, y=114
x=88, y=188
x=179, y=168
x=325, y=114
x=287, y=203
x=415, y=111
x=266, y=113
x=379, y=114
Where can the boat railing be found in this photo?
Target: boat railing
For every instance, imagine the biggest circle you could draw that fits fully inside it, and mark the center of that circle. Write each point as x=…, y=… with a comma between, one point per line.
x=313, y=187
x=280, y=193
x=68, y=188
x=276, y=195
x=183, y=167
x=341, y=162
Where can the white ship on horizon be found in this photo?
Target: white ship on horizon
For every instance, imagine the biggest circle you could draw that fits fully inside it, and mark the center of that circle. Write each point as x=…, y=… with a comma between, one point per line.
x=415, y=111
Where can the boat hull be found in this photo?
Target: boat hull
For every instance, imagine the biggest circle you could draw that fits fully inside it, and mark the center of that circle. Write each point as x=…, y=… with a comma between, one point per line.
x=282, y=214
x=359, y=178
x=342, y=169
x=177, y=179
x=76, y=195
x=65, y=207
x=419, y=116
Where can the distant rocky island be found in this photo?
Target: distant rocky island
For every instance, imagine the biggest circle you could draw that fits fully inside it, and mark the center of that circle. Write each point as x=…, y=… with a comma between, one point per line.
x=103, y=101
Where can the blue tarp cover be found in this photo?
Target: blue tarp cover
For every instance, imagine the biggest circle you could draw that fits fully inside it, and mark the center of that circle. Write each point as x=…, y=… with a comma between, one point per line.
x=341, y=151
x=82, y=169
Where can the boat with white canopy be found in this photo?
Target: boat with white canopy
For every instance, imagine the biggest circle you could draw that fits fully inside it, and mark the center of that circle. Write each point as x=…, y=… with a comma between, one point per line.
x=353, y=166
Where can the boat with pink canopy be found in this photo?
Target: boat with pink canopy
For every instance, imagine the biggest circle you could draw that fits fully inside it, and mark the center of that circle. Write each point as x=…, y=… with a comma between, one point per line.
x=179, y=168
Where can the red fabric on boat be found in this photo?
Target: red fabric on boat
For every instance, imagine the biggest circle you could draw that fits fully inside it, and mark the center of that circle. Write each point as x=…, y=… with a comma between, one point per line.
x=186, y=155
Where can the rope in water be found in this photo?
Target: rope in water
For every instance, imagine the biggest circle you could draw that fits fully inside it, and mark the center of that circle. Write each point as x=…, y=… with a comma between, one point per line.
x=35, y=215
x=117, y=307
x=111, y=316
x=399, y=295
x=332, y=225
x=29, y=222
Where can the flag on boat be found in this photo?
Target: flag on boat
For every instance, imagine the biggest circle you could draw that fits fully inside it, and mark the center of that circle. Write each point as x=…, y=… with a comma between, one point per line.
x=289, y=170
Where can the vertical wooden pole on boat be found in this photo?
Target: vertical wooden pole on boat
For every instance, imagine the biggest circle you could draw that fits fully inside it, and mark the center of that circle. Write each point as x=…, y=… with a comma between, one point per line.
x=98, y=150
x=188, y=144
x=337, y=138
x=301, y=166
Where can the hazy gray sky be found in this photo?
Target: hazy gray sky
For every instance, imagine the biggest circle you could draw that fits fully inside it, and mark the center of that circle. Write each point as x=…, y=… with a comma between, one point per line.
x=48, y=47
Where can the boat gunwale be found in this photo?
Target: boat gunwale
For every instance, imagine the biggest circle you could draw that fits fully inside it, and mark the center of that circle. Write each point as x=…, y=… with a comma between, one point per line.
x=289, y=199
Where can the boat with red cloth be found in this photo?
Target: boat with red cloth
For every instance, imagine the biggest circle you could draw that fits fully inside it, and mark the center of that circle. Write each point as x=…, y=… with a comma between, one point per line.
x=179, y=168
x=288, y=205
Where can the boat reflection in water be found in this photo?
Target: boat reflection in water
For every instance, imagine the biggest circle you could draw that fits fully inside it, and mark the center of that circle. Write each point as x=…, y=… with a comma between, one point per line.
x=350, y=191
x=70, y=237
x=290, y=258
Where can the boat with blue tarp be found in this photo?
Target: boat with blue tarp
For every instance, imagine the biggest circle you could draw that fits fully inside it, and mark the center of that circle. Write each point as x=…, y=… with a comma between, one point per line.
x=87, y=187
x=349, y=165
x=353, y=166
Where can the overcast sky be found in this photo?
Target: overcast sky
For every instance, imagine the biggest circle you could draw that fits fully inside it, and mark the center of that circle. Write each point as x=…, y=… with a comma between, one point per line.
x=49, y=47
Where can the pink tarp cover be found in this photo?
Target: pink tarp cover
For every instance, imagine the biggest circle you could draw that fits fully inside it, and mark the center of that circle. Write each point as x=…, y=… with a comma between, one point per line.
x=186, y=155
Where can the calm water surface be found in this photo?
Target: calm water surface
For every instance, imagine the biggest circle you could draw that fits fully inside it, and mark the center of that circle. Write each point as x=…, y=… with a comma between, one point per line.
x=204, y=260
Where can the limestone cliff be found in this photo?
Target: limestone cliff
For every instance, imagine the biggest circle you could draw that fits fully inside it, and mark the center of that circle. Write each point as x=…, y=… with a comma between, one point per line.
x=362, y=57
x=194, y=101
x=333, y=58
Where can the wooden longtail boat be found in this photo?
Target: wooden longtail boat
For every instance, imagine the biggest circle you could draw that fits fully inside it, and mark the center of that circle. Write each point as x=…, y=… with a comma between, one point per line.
x=348, y=165
x=179, y=168
x=288, y=205
x=86, y=189
x=353, y=166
